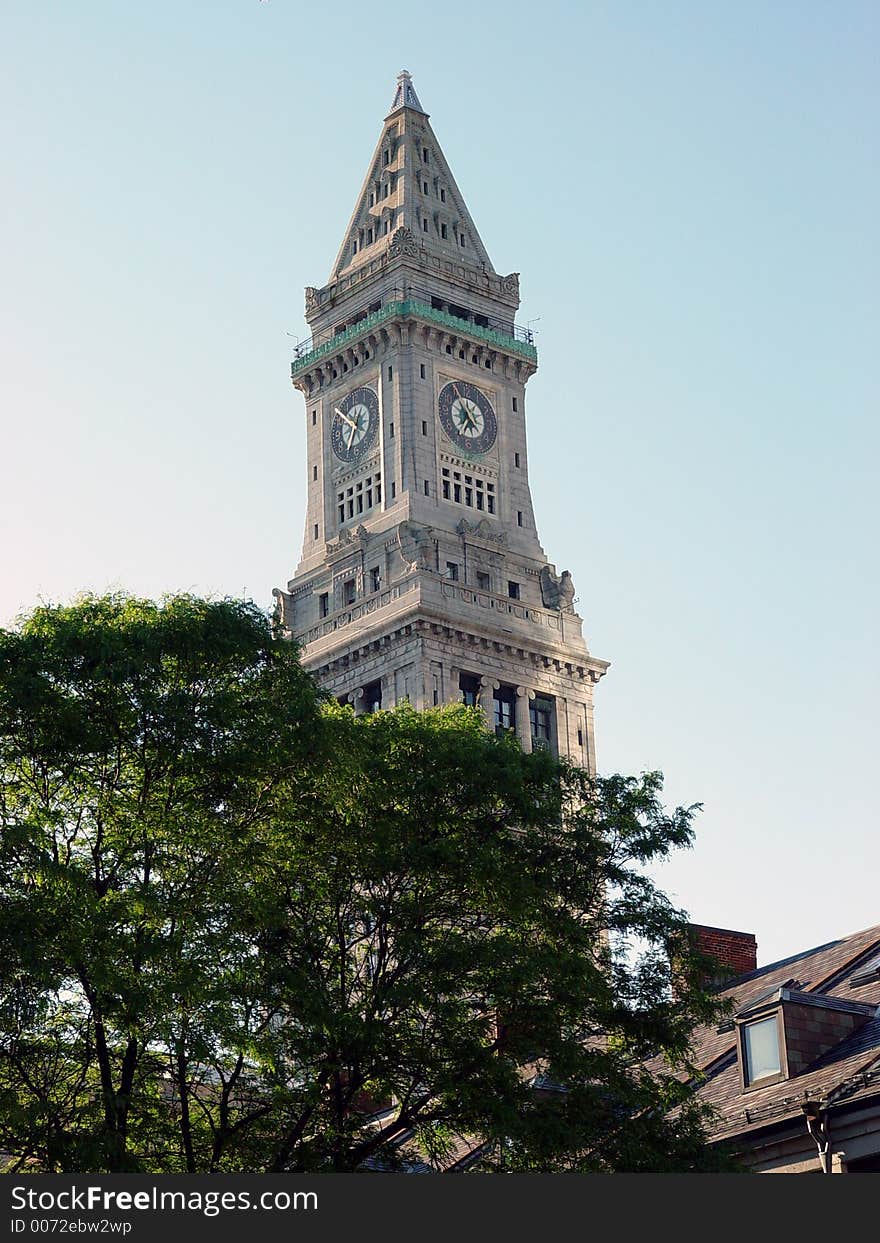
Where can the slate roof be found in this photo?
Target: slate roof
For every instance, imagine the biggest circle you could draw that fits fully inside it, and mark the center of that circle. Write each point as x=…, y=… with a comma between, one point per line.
x=848, y=1072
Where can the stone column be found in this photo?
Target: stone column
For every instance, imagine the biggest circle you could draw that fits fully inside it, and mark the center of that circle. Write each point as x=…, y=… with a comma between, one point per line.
x=523, y=728
x=487, y=686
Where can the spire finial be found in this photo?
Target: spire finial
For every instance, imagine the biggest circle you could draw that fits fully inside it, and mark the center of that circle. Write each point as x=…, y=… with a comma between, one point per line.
x=405, y=93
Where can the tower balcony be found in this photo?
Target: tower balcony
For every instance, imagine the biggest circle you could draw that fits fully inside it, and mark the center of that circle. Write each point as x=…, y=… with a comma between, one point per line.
x=499, y=333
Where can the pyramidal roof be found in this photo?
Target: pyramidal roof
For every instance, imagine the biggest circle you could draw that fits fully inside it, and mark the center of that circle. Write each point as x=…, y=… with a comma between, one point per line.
x=405, y=93
x=409, y=186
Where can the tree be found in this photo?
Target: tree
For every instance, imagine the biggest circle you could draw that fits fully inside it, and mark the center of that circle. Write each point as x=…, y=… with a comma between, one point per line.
x=243, y=929
x=141, y=749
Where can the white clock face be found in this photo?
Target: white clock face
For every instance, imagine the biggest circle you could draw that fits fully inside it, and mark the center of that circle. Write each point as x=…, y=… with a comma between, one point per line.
x=468, y=418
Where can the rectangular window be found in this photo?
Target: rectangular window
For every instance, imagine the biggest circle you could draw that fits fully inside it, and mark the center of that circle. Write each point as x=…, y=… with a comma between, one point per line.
x=442, y=196
x=482, y=580
x=314, y=472
x=316, y=531
x=424, y=428
x=373, y=697
x=375, y=580
x=390, y=372
x=348, y=591
x=323, y=604
x=424, y=155
x=314, y=417
x=427, y=488
x=504, y=701
x=761, y=1046
x=514, y=405
x=386, y=156
x=393, y=489
x=540, y=720
x=461, y=239
x=421, y=371
x=580, y=737
x=452, y=571
x=424, y=226
x=519, y=517
x=513, y=590
x=469, y=688
x=516, y=460
x=443, y=230
x=391, y=431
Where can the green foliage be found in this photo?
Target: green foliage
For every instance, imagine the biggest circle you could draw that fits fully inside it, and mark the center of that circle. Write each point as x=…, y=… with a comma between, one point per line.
x=243, y=929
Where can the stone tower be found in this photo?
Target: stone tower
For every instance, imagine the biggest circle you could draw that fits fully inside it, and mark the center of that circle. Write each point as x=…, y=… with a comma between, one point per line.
x=422, y=576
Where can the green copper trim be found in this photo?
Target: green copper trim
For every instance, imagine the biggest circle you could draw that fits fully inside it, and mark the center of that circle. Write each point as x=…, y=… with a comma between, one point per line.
x=421, y=310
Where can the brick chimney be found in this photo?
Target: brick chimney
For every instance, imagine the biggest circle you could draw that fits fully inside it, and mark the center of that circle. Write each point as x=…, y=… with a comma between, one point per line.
x=735, y=952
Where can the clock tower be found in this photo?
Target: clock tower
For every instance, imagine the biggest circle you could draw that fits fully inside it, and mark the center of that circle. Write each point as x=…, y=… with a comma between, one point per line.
x=422, y=576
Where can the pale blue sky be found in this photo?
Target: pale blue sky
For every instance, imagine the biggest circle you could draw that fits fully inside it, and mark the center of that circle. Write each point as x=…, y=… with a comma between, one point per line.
x=690, y=192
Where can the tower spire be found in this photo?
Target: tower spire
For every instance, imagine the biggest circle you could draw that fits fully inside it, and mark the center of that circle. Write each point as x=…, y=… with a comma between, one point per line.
x=409, y=186
x=405, y=93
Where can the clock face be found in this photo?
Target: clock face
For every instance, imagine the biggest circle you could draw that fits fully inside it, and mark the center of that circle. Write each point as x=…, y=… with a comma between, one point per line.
x=467, y=417
x=355, y=425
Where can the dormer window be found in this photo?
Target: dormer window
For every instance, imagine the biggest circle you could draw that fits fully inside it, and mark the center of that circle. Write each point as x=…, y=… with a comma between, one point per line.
x=761, y=1052
x=781, y=1035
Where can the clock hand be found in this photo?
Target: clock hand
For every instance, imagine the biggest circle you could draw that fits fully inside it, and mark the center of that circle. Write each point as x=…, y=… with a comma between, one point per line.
x=351, y=434
x=349, y=421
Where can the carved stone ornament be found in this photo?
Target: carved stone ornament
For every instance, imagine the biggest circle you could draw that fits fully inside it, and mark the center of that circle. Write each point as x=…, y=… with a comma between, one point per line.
x=510, y=284
x=403, y=243
x=482, y=530
x=415, y=546
x=312, y=299
x=283, y=613
x=557, y=590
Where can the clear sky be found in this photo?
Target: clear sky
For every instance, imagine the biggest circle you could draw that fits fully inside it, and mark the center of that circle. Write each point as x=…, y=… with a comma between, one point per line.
x=690, y=192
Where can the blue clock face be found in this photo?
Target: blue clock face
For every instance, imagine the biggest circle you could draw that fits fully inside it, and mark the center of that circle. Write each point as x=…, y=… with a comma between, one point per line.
x=467, y=417
x=355, y=425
